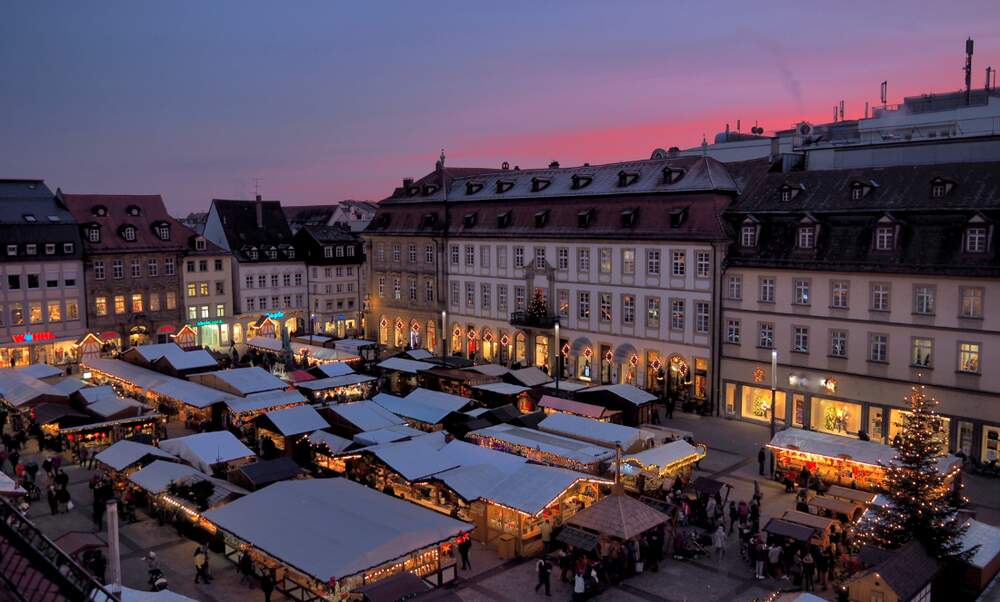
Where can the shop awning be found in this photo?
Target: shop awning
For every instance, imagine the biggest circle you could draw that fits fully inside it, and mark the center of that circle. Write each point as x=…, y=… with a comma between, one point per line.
x=795, y=531
x=846, y=448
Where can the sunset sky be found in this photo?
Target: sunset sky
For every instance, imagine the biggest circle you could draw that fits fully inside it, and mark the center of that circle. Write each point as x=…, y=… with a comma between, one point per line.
x=324, y=101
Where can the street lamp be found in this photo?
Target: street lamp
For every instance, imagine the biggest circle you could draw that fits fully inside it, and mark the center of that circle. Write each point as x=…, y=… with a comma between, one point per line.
x=558, y=356
x=444, y=338
x=774, y=395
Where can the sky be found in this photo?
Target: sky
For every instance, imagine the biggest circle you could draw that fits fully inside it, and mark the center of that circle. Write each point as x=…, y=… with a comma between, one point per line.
x=318, y=101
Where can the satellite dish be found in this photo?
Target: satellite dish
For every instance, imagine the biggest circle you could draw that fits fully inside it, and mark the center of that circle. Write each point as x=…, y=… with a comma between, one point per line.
x=658, y=154
x=804, y=129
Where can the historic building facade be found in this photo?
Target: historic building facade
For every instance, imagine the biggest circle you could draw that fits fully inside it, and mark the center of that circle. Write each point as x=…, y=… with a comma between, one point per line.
x=334, y=259
x=865, y=281
x=207, y=283
x=41, y=285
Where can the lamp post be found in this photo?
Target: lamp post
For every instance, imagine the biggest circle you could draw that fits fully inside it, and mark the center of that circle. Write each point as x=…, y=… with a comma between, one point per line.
x=558, y=356
x=774, y=395
x=444, y=338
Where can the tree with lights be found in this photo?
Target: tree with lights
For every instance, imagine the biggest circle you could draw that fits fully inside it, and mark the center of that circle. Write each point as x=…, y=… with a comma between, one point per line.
x=538, y=309
x=920, y=502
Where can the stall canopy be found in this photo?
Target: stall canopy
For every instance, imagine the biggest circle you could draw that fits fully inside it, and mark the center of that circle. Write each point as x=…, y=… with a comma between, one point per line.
x=567, y=386
x=187, y=361
x=40, y=371
x=532, y=487
x=137, y=595
x=355, y=346
x=320, y=354
x=502, y=388
x=94, y=394
x=296, y=420
x=568, y=406
x=265, y=472
x=784, y=528
x=619, y=516
x=150, y=354
x=20, y=389
x=69, y=385
x=334, y=382
x=987, y=537
x=333, y=528
x=123, y=454
x=204, y=450
x=332, y=370
x=418, y=354
x=663, y=457
x=58, y=413
x=835, y=446
x=543, y=443
x=240, y=381
x=445, y=401
x=529, y=377
x=399, y=364
x=264, y=400
x=629, y=393
x=155, y=477
x=364, y=415
x=396, y=432
x=8, y=488
x=412, y=410
x=332, y=442
x=594, y=431
x=490, y=369
x=118, y=407
x=187, y=392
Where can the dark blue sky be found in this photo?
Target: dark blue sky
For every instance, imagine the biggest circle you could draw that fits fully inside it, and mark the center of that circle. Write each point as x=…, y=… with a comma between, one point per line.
x=330, y=100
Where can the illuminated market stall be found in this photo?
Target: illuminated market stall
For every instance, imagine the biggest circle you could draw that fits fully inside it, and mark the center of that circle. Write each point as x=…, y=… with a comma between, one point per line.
x=498, y=394
x=167, y=487
x=849, y=462
x=545, y=448
x=401, y=374
x=423, y=409
x=241, y=410
x=285, y=427
x=636, y=405
x=310, y=355
x=214, y=452
x=650, y=469
x=604, y=434
x=107, y=432
x=349, y=387
x=558, y=405
x=126, y=457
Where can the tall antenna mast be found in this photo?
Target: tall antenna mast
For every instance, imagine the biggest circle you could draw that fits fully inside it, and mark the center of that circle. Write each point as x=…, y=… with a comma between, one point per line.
x=885, y=93
x=256, y=187
x=968, y=71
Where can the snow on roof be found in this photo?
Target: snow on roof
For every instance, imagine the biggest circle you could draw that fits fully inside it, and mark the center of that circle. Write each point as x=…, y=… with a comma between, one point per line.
x=243, y=380
x=366, y=415
x=530, y=377
x=333, y=528
x=629, y=393
x=475, y=412
x=8, y=487
x=19, y=388
x=400, y=364
x=110, y=407
x=987, y=537
x=331, y=370
x=190, y=393
x=125, y=453
x=40, y=371
x=203, y=450
x=572, y=449
x=835, y=446
x=155, y=351
x=588, y=429
x=415, y=410
x=502, y=388
x=264, y=400
x=532, y=487
x=314, y=338
x=418, y=354
x=297, y=420
x=320, y=353
x=186, y=360
x=573, y=407
x=138, y=595
x=155, y=477
x=69, y=385
x=397, y=432
x=445, y=401
x=416, y=458
x=570, y=386
x=333, y=382
x=489, y=369
x=333, y=443
x=665, y=455
x=352, y=345
x=99, y=393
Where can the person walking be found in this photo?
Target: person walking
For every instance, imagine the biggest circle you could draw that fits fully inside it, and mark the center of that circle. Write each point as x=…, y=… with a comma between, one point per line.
x=245, y=566
x=201, y=566
x=774, y=561
x=63, y=497
x=463, y=551
x=267, y=585
x=761, y=456
x=544, y=569
x=759, y=556
x=579, y=586
x=808, y=569
x=546, y=529
x=719, y=542
x=53, y=500
x=822, y=566
x=670, y=408
x=13, y=457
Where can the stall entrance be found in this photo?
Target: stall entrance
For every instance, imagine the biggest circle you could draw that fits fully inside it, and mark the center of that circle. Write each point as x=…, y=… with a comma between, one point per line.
x=542, y=352
x=138, y=335
x=678, y=381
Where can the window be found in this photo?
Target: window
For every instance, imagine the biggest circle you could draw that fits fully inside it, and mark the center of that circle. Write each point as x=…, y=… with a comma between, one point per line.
x=878, y=347
x=396, y=293
x=653, y=312
x=168, y=266
x=98, y=270
x=192, y=289
x=117, y=269
x=562, y=258
x=766, y=293
x=734, y=287
x=454, y=254
x=703, y=264
x=128, y=233
x=192, y=313
x=73, y=309
x=583, y=305
x=922, y=352
x=220, y=310
x=70, y=282
x=395, y=252
x=429, y=291
x=628, y=309
x=628, y=261
x=137, y=303
x=381, y=287
x=518, y=257
x=748, y=237
x=880, y=296
x=701, y=317
x=286, y=280
x=838, y=343
x=203, y=289
x=14, y=281
x=350, y=251
x=136, y=268
x=800, y=339
x=262, y=302
x=765, y=338
x=786, y=195
x=12, y=250
x=502, y=297
x=453, y=293
x=31, y=249
x=32, y=280
x=274, y=281
x=938, y=190
x=50, y=248
x=411, y=288
x=562, y=302
x=163, y=232
x=676, y=314
x=152, y=268
x=540, y=258
x=583, y=260
x=428, y=253
x=605, y=301
x=519, y=298
x=801, y=292
x=119, y=304
x=857, y=193
x=839, y=291
x=189, y=267
x=94, y=234
x=885, y=238
x=604, y=260
x=733, y=331
x=470, y=256
x=101, y=305
x=652, y=262
x=972, y=302
x=218, y=265
x=975, y=239
x=252, y=254
x=68, y=248
x=484, y=296
x=380, y=253
x=16, y=314
x=807, y=237
x=484, y=256
x=154, y=302
x=677, y=263
x=275, y=301
x=923, y=299
x=968, y=358
x=502, y=258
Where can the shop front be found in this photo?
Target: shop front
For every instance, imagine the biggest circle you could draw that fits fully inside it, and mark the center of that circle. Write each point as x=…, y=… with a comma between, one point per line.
x=213, y=334
x=341, y=325
x=41, y=347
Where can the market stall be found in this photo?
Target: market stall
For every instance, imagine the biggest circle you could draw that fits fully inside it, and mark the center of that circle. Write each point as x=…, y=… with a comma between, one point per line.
x=302, y=353
x=821, y=526
x=498, y=394
x=104, y=433
x=423, y=409
x=545, y=448
x=349, y=387
x=126, y=457
x=829, y=507
x=653, y=468
x=286, y=427
x=604, y=434
x=214, y=452
x=636, y=405
x=401, y=374
x=558, y=405
x=453, y=380
x=242, y=410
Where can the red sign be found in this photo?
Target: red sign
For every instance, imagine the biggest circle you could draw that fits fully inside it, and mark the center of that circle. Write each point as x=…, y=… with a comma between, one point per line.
x=31, y=337
x=167, y=328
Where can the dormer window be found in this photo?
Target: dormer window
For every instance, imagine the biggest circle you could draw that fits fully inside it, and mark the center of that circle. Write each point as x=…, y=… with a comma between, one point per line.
x=290, y=252
x=94, y=234
x=430, y=189
x=678, y=217
x=859, y=190
x=627, y=178
x=976, y=238
x=541, y=218
x=540, y=184
x=885, y=237
x=128, y=233
x=412, y=190
x=504, y=219
x=630, y=217
x=199, y=244
x=807, y=236
x=328, y=251
x=504, y=185
x=581, y=181
x=671, y=175
x=473, y=187
x=748, y=235
x=252, y=254
x=100, y=210
x=584, y=218
x=470, y=219
x=132, y=210
x=163, y=232
x=428, y=220
x=940, y=188
x=272, y=253
x=31, y=219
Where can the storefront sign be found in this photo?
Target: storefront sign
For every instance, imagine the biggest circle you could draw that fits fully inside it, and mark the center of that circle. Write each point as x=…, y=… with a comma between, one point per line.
x=166, y=329
x=209, y=322
x=31, y=337
x=276, y=315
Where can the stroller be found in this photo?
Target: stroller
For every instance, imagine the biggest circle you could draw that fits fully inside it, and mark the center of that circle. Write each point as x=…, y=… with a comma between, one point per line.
x=32, y=492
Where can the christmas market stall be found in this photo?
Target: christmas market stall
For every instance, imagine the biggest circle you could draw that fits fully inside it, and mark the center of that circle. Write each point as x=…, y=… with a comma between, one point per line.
x=557, y=405
x=848, y=462
x=655, y=467
x=349, y=419
x=302, y=353
x=544, y=448
x=618, y=516
x=286, y=427
x=170, y=359
x=330, y=370
x=423, y=409
x=498, y=394
x=214, y=452
x=106, y=432
x=242, y=410
x=123, y=458
x=349, y=387
x=326, y=448
x=43, y=372
x=453, y=380
x=401, y=374
x=20, y=391
x=605, y=434
x=636, y=405
x=339, y=537
x=260, y=474
x=821, y=526
x=241, y=381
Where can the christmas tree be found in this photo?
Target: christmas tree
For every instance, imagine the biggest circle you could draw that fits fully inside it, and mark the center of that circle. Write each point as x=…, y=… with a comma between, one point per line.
x=920, y=502
x=538, y=309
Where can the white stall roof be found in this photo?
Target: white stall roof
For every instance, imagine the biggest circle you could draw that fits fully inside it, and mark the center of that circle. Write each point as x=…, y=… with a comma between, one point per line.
x=445, y=401
x=313, y=339
x=123, y=454
x=664, y=455
x=428, y=457
x=155, y=477
x=414, y=410
x=333, y=382
x=489, y=369
x=243, y=380
x=110, y=407
x=502, y=388
x=570, y=386
x=417, y=458
x=629, y=393
x=353, y=345
x=987, y=537
x=365, y=415
x=187, y=360
x=41, y=371
x=835, y=446
x=95, y=394
x=8, y=487
x=400, y=364
x=530, y=377
x=333, y=528
x=573, y=407
x=572, y=449
x=187, y=392
x=203, y=450
x=138, y=595
x=418, y=354
x=297, y=420
x=333, y=442
x=388, y=434
x=331, y=370
x=591, y=430
x=69, y=385
x=532, y=487
x=18, y=388
x=264, y=400
x=155, y=351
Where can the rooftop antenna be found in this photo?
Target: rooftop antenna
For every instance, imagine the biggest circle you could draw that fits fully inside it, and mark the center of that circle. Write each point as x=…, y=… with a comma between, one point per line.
x=969, y=44
x=991, y=75
x=885, y=93
x=841, y=110
x=738, y=128
x=256, y=187
x=866, y=109
x=835, y=113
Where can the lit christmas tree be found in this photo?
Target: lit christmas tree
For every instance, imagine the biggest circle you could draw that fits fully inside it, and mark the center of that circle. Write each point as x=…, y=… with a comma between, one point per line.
x=920, y=502
x=538, y=309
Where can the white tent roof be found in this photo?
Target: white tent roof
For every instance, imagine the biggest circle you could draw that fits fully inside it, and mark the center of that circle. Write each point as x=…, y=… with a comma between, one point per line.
x=414, y=410
x=629, y=393
x=419, y=457
x=366, y=415
x=835, y=446
x=69, y=385
x=243, y=380
x=297, y=420
x=123, y=454
x=100, y=393
x=532, y=487
x=19, y=388
x=155, y=477
x=530, y=377
x=502, y=388
x=333, y=442
x=418, y=354
x=338, y=369
x=489, y=369
x=401, y=364
x=570, y=386
x=396, y=432
x=591, y=430
x=987, y=537
x=445, y=401
x=8, y=487
x=573, y=449
x=333, y=382
x=264, y=400
x=203, y=450
x=155, y=351
x=333, y=527
x=664, y=455
x=352, y=345
x=190, y=393
x=314, y=339
x=40, y=371
x=186, y=360
x=110, y=407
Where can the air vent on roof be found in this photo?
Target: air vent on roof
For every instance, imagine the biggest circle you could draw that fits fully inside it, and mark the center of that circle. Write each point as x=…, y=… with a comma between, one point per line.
x=132, y=210
x=470, y=219
x=672, y=174
x=53, y=218
x=100, y=210
x=541, y=218
x=504, y=219
x=584, y=218
x=473, y=187
x=504, y=185
x=554, y=165
x=581, y=181
x=539, y=184
x=630, y=217
x=430, y=189
x=428, y=220
x=678, y=217
x=30, y=218
x=627, y=178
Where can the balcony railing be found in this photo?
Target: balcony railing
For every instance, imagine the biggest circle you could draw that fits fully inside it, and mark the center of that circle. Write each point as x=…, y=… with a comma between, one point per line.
x=523, y=318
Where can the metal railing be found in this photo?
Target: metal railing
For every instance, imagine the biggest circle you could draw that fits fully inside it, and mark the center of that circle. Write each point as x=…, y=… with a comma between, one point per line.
x=523, y=318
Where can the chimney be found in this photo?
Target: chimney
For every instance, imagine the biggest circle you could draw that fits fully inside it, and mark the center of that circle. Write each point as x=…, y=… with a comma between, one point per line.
x=259, y=205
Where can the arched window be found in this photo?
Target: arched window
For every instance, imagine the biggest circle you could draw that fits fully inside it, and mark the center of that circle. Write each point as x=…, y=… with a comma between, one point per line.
x=128, y=233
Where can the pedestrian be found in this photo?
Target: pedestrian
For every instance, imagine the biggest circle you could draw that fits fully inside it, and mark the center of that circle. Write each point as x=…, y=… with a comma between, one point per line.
x=463, y=550
x=53, y=501
x=670, y=408
x=761, y=456
x=544, y=569
x=62, y=479
x=822, y=566
x=710, y=509
x=759, y=556
x=579, y=586
x=47, y=467
x=19, y=470
x=774, y=560
x=565, y=566
x=14, y=456
x=719, y=542
x=732, y=515
x=808, y=569
x=56, y=462
x=796, y=569
x=546, y=530
x=246, y=569
x=32, y=468
x=3, y=454
x=82, y=454
x=201, y=566
x=63, y=497
x=267, y=585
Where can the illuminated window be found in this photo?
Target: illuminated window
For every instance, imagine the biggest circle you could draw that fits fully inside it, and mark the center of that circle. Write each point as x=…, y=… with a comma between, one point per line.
x=968, y=357
x=101, y=305
x=136, y=303
x=55, y=311
x=119, y=304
